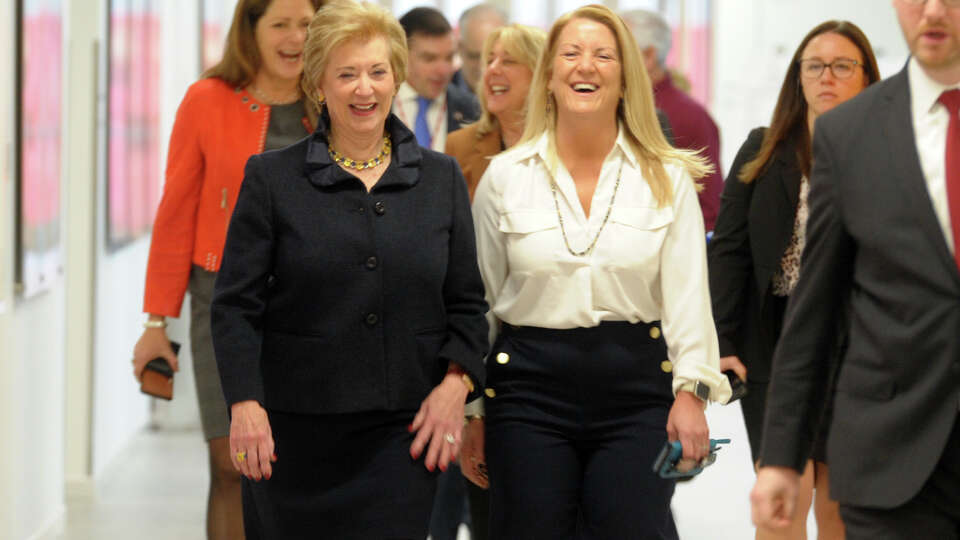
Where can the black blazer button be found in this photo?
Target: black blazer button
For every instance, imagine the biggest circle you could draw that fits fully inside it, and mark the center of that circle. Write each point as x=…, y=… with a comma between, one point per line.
x=379, y=208
x=372, y=319
x=371, y=263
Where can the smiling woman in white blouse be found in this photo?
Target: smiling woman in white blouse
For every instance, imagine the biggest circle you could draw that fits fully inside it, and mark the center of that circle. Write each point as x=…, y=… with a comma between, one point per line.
x=590, y=241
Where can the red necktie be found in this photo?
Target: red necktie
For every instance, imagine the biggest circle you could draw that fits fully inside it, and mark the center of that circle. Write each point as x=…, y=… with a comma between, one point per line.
x=951, y=100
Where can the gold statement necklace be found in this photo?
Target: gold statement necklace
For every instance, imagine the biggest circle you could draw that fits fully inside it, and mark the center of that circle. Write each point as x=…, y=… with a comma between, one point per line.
x=340, y=159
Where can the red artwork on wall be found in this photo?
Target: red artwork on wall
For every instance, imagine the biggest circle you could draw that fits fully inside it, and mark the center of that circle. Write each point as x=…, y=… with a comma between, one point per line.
x=134, y=170
x=39, y=141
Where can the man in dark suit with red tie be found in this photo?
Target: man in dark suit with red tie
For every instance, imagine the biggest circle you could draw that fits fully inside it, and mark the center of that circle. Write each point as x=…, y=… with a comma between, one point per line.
x=883, y=251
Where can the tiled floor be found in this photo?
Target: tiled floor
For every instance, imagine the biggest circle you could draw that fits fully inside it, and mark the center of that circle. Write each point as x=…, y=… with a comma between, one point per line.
x=157, y=491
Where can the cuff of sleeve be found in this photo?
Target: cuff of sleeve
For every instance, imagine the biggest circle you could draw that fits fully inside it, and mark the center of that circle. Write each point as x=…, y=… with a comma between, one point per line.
x=474, y=408
x=719, y=385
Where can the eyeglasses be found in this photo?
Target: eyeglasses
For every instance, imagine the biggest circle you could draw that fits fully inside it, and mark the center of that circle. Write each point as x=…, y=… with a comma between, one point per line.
x=948, y=3
x=842, y=68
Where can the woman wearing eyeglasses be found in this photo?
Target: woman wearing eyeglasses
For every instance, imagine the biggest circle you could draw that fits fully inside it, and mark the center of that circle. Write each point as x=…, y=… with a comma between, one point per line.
x=754, y=257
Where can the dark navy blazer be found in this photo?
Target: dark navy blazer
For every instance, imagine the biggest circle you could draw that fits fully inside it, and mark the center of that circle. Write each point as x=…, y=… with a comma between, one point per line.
x=331, y=299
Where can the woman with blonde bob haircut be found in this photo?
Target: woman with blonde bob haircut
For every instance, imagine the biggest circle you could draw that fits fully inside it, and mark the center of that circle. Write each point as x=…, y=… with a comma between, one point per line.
x=348, y=316
x=509, y=56
x=590, y=240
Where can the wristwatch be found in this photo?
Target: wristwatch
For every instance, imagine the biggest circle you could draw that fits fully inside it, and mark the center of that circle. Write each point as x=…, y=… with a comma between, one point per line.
x=698, y=389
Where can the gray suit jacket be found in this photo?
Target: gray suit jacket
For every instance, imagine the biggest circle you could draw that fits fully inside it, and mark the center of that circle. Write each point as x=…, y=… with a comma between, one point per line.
x=873, y=240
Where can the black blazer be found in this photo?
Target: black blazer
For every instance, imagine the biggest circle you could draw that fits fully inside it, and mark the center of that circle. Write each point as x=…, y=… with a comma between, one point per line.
x=333, y=300
x=753, y=229
x=462, y=108
x=873, y=240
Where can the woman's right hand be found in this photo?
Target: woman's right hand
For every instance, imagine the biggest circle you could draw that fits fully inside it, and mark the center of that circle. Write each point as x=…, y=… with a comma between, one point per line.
x=473, y=461
x=152, y=344
x=734, y=363
x=251, y=440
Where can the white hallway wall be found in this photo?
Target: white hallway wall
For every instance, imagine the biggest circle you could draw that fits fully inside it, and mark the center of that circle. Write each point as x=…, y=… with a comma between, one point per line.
x=64, y=356
x=754, y=41
x=68, y=403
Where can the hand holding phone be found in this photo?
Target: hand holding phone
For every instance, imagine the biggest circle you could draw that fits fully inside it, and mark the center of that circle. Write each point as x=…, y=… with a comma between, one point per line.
x=737, y=385
x=668, y=463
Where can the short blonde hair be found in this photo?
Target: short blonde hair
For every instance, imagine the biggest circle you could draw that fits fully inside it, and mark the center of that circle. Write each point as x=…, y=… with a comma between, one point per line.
x=341, y=21
x=525, y=45
x=636, y=112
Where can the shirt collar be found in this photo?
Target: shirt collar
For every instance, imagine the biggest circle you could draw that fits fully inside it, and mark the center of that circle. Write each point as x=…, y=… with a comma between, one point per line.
x=539, y=147
x=924, y=91
x=664, y=84
x=405, y=159
x=406, y=93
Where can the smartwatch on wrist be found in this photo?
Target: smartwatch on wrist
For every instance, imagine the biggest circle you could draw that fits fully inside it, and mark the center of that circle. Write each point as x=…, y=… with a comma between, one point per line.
x=698, y=389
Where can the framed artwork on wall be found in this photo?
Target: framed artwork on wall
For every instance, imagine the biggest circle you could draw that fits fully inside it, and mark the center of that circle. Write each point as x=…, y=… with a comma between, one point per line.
x=37, y=143
x=133, y=119
x=7, y=73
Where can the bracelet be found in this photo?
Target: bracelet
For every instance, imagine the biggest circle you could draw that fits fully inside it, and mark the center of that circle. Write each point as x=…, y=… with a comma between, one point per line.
x=155, y=324
x=467, y=381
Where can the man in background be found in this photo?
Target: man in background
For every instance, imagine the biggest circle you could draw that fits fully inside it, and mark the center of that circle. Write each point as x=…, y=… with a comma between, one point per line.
x=475, y=25
x=426, y=102
x=691, y=125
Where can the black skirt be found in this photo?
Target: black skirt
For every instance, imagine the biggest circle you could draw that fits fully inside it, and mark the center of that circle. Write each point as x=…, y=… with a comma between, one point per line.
x=345, y=476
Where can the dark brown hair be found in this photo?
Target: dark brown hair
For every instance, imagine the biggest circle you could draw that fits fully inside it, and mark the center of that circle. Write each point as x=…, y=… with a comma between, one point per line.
x=241, y=57
x=789, y=123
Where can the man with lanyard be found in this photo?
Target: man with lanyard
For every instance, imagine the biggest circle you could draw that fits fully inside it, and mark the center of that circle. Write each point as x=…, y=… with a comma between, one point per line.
x=426, y=102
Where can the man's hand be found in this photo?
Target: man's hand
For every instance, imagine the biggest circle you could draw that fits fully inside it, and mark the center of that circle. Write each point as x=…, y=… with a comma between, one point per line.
x=774, y=497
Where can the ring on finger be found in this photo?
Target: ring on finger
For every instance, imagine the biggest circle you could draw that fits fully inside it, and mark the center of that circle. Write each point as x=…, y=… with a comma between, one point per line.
x=241, y=456
x=450, y=438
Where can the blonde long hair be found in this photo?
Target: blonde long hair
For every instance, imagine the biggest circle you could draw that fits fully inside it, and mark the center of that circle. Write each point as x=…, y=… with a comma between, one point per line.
x=636, y=112
x=525, y=45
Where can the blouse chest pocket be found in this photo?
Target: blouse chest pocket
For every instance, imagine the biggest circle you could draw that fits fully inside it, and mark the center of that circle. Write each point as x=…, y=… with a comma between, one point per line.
x=637, y=234
x=532, y=238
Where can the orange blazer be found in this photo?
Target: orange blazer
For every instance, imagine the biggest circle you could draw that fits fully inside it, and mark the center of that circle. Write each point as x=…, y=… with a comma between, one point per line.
x=217, y=128
x=473, y=154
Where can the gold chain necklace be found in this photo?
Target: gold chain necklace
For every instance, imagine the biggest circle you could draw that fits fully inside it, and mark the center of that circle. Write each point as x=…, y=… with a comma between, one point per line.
x=263, y=98
x=563, y=231
x=340, y=159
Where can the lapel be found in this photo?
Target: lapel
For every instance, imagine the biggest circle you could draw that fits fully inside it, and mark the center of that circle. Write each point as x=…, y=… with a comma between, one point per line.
x=487, y=147
x=460, y=109
x=905, y=163
x=405, y=161
x=789, y=177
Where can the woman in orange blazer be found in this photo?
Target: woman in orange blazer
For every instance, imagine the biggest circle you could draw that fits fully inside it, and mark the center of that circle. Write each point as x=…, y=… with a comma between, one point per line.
x=250, y=102
x=509, y=55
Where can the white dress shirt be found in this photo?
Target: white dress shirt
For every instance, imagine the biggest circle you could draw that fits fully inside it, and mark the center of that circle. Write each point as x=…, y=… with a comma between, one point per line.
x=406, y=108
x=648, y=264
x=930, y=121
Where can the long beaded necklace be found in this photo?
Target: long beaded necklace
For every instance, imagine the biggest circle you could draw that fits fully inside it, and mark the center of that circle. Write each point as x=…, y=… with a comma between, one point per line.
x=340, y=159
x=606, y=217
